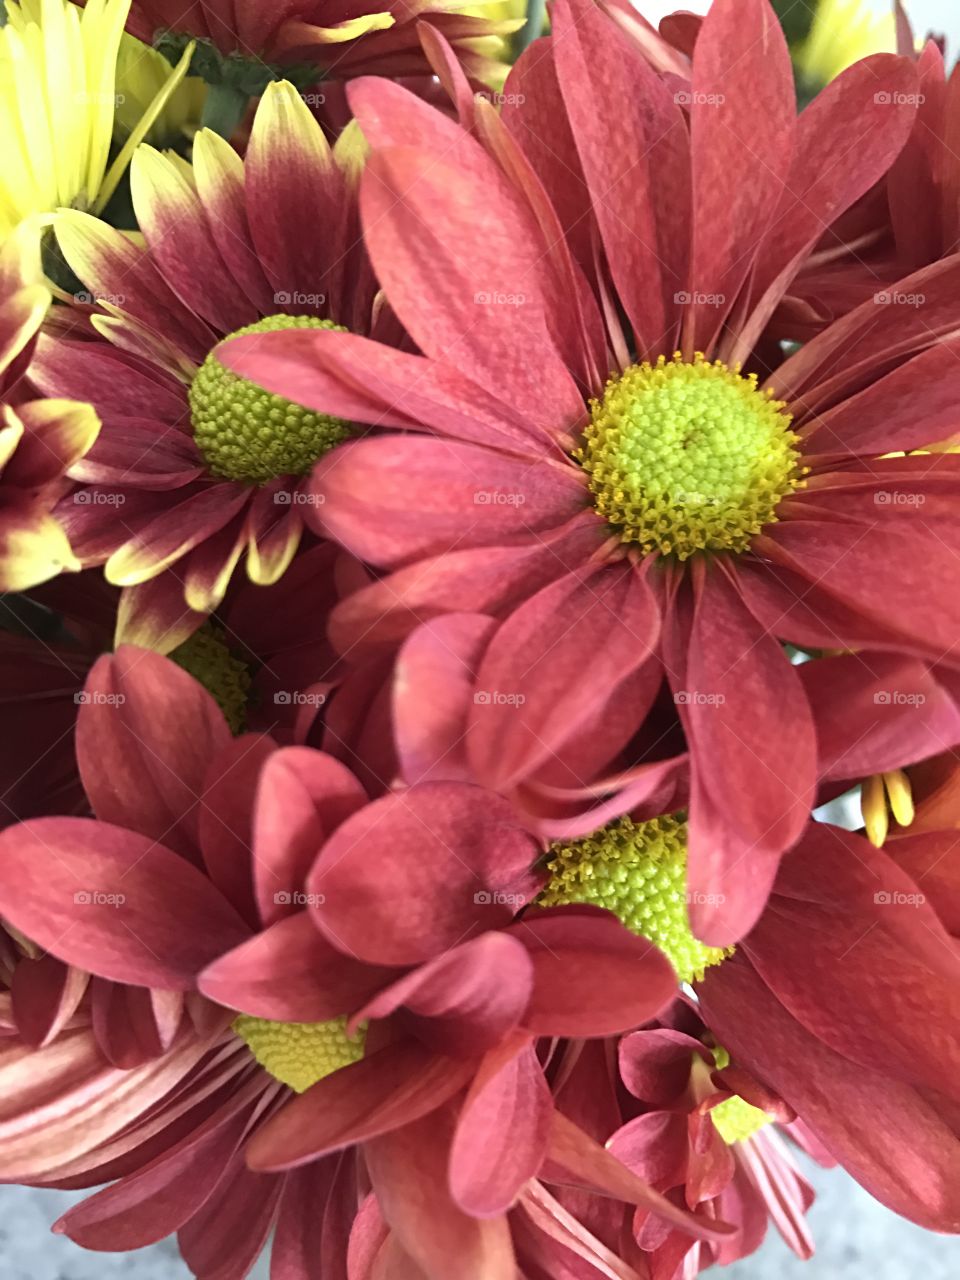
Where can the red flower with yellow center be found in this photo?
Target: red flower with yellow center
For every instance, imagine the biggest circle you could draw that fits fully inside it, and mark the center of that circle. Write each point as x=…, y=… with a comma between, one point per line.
x=196, y=468
x=591, y=459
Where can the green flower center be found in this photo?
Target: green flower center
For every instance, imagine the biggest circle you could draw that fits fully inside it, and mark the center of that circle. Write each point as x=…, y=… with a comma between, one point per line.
x=637, y=871
x=736, y=1119
x=207, y=657
x=298, y=1054
x=245, y=433
x=688, y=456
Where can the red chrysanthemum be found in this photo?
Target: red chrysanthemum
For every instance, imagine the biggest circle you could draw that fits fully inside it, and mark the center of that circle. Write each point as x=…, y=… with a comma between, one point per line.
x=323, y=40
x=371, y=952
x=671, y=518
x=193, y=467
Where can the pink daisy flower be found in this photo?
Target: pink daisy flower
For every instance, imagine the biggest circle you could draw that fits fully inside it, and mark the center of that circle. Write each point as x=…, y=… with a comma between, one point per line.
x=584, y=458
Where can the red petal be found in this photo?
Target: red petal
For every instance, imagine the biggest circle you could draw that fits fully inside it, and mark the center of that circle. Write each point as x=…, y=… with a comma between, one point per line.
x=408, y=1169
x=114, y=902
x=383, y=1091
x=592, y=977
x=742, y=113
x=418, y=871
x=146, y=733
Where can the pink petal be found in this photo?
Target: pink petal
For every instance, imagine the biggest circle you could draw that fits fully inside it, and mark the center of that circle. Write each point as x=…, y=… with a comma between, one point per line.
x=576, y=1158
x=433, y=694
x=753, y=757
x=383, y=1091
x=844, y=912
x=876, y=711
x=635, y=152
x=501, y=1134
x=742, y=105
x=114, y=902
x=531, y=697
x=857, y=1112
x=418, y=871
x=302, y=797
x=226, y=819
x=392, y=500
x=655, y=1063
x=592, y=977
x=464, y=276
x=408, y=1169
x=146, y=732
x=467, y=1000
x=290, y=973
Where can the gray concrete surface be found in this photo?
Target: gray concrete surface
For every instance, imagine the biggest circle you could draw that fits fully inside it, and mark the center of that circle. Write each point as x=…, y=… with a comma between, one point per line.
x=857, y=1239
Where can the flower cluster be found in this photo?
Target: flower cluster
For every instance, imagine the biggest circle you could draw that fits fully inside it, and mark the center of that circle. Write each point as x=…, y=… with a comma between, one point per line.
x=477, y=518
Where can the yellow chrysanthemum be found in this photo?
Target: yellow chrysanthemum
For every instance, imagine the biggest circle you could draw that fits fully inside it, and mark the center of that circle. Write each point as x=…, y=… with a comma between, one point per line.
x=58, y=100
x=142, y=74
x=842, y=32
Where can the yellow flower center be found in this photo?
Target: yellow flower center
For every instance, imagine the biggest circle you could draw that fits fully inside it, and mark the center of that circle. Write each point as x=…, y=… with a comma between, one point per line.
x=688, y=456
x=298, y=1054
x=247, y=434
x=637, y=871
x=207, y=657
x=736, y=1119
